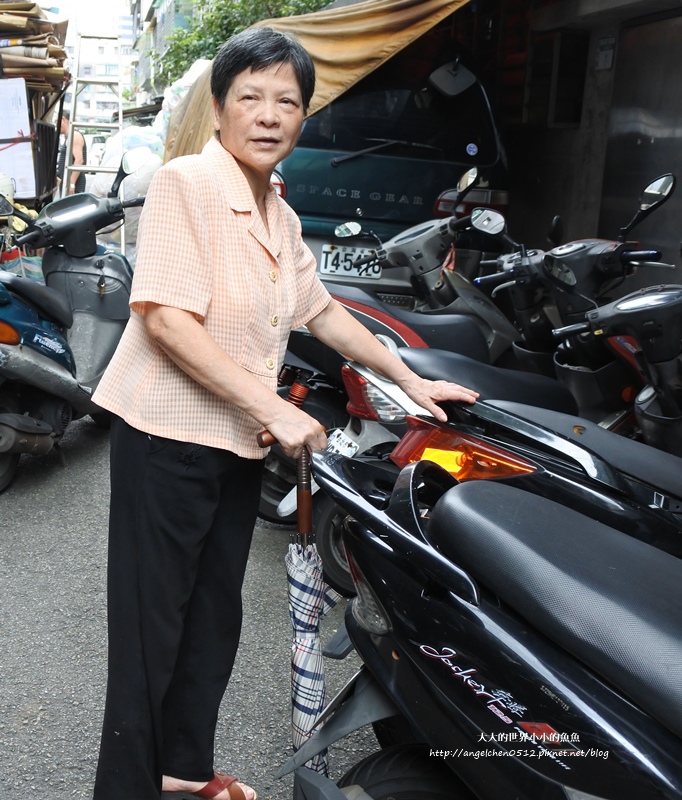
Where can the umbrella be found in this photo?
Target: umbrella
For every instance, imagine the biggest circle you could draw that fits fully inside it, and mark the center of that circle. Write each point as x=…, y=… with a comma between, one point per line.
x=309, y=600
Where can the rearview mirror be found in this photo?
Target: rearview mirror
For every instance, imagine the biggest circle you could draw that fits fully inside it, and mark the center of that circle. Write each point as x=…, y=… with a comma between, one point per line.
x=467, y=180
x=452, y=79
x=657, y=191
x=555, y=234
x=653, y=196
x=346, y=229
x=488, y=221
x=6, y=208
x=135, y=158
x=132, y=160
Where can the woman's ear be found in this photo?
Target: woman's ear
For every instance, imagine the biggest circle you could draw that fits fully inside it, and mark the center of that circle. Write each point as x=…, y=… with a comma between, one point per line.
x=216, y=117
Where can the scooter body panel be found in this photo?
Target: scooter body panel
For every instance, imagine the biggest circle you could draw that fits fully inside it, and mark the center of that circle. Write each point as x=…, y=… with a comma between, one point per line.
x=477, y=679
x=37, y=333
x=98, y=290
x=64, y=364
x=461, y=330
x=512, y=709
x=99, y=284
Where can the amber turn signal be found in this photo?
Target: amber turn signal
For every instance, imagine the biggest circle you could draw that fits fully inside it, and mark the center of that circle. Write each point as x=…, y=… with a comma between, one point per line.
x=464, y=456
x=8, y=334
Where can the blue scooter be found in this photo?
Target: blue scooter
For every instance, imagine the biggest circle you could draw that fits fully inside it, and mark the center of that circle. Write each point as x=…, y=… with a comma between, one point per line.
x=56, y=339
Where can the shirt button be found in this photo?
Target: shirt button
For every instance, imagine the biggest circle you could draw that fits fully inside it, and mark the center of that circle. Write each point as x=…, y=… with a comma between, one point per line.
x=274, y=320
x=270, y=363
x=273, y=275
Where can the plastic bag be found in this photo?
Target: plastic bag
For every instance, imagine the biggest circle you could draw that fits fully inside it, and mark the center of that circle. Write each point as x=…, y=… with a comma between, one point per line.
x=26, y=266
x=175, y=93
x=134, y=185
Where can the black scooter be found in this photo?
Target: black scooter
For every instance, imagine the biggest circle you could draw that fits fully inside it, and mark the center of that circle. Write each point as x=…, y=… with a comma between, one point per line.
x=511, y=646
x=602, y=373
x=475, y=329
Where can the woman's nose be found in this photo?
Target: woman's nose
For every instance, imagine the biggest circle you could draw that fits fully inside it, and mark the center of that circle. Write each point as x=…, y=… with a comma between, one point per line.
x=268, y=114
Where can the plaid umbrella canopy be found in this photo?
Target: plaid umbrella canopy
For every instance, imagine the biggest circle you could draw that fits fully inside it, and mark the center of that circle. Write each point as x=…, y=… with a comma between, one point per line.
x=309, y=600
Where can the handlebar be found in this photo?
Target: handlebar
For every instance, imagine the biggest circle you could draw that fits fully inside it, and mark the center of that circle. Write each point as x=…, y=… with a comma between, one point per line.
x=494, y=279
x=641, y=256
x=571, y=330
x=645, y=258
x=27, y=238
x=137, y=201
x=73, y=221
x=456, y=223
x=364, y=260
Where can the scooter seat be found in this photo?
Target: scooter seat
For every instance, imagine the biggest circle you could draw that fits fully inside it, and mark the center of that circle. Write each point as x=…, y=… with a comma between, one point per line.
x=452, y=332
x=611, y=601
x=49, y=302
x=491, y=382
x=656, y=468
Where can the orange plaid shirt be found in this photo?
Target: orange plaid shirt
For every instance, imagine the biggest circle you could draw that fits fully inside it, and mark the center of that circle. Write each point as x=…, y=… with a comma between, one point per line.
x=203, y=247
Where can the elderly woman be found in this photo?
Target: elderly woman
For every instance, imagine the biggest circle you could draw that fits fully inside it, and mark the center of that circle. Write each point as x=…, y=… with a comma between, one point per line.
x=222, y=277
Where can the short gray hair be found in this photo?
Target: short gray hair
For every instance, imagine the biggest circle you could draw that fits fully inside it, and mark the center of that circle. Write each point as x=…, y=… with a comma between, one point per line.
x=256, y=49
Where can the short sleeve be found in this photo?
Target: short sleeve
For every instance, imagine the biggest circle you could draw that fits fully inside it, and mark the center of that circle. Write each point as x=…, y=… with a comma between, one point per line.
x=173, y=263
x=312, y=295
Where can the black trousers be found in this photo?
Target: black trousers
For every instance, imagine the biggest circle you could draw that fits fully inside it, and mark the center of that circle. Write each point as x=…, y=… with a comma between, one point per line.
x=180, y=528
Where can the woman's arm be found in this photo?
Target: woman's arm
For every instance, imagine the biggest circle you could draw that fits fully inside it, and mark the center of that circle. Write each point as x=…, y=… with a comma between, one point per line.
x=337, y=328
x=77, y=152
x=185, y=340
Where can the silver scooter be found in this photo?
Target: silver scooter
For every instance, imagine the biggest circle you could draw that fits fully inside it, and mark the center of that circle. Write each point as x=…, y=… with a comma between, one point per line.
x=57, y=338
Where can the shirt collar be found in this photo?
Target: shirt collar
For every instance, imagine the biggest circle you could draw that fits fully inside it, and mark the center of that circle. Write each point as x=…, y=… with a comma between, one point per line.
x=238, y=194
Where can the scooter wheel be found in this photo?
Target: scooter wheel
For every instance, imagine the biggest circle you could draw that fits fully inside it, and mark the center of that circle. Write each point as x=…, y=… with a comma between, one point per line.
x=392, y=731
x=328, y=526
x=406, y=772
x=278, y=480
x=9, y=462
x=8, y=468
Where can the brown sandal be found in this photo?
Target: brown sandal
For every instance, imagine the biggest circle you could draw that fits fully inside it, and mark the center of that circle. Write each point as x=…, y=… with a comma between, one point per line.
x=220, y=783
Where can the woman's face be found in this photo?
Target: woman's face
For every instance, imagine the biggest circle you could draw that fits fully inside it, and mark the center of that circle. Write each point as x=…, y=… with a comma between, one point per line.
x=261, y=119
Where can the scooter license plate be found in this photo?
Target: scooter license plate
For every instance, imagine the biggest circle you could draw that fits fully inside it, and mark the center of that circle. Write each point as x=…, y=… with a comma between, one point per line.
x=339, y=442
x=339, y=260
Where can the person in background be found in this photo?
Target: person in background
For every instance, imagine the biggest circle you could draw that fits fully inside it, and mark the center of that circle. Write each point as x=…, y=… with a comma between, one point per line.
x=79, y=156
x=191, y=384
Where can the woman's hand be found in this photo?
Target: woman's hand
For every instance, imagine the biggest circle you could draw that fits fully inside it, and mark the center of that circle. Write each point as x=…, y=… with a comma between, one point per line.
x=427, y=393
x=294, y=430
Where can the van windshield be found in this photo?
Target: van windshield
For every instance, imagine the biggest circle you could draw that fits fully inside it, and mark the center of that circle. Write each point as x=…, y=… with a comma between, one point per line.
x=419, y=121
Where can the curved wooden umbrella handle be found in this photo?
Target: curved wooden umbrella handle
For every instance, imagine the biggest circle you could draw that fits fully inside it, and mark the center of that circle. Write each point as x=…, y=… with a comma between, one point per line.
x=265, y=439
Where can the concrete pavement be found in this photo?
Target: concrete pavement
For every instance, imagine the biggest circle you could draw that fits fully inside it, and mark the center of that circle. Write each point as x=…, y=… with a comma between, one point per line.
x=53, y=633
